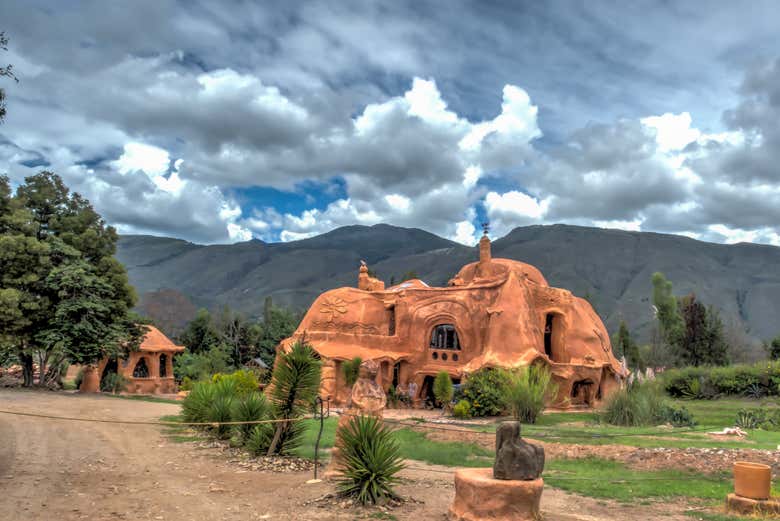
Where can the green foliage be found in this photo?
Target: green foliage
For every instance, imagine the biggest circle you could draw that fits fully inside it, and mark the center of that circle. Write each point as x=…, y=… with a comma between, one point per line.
x=294, y=386
x=259, y=439
x=371, y=459
x=442, y=388
x=63, y=296
x=462, y=409
x=351, y=370
x=626, y=346
x=6, y=71
x=526, y=391
x=79, y=378
x=113, y=383
x=186, y=384
x=774, y=348
x=643, y=405
x=244, y=381
x=409, y=275
x=701, y=342
x=751, y=380
x=195, y=406
x=760, y=418
x=251, y=407
x=201, y=366
x=200, y=335
x=483, y=389
x=666, y=307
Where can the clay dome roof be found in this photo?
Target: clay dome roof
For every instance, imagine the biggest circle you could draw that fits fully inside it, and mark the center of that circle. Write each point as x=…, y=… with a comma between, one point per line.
x=155, y=340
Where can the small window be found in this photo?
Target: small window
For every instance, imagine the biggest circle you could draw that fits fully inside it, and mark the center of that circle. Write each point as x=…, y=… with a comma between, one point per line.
x=391, y=321
x=444, y=336
x=141, y=370
x=163, y=365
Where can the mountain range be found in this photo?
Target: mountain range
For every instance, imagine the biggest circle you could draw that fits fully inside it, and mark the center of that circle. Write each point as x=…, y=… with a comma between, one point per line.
x=612, y=268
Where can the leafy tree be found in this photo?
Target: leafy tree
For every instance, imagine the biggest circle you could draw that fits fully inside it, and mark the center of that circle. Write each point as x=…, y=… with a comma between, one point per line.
x=701, y=341
x=442, y=389
x=64, y=296
x=774, y=348
x=282, y=324
x=666, y=308
x=627, y=347
x=6, y=71
x=200, y=335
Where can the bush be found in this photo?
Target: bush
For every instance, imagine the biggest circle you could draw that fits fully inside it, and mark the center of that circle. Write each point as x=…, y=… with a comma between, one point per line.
x=113, y=383
x=251, y=407
x=442, y=389
x=351, y=370
x=201, y=366
x=750, y=380
x=642, y=405
x=526, y=390
x=186, y=384
x=245, y=381
x=483, y=390
x=371, y=459
x=758, y=419
x=681, y=417
x=79, y=378
x=462, y=409
x=195, y=407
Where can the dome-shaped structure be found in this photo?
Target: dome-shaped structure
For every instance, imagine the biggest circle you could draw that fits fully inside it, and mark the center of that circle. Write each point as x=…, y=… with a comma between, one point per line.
x=493, y=313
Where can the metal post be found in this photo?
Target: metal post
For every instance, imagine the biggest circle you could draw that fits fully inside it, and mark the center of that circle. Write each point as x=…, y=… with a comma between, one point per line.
x=322, y=415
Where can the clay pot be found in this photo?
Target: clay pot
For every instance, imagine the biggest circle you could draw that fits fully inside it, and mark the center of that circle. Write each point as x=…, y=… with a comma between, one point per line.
x=752, y=480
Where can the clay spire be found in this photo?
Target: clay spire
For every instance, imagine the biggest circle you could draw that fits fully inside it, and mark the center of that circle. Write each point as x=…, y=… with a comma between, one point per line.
x=485, y=255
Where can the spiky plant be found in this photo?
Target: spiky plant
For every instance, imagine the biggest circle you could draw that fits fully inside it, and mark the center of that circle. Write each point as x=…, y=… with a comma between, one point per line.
x=259, y=438
x=252, y=407
x=196, y=405
x=371, y=459
x=526, y=390
x=294, y=386
x=442, y=389
x=221, y=410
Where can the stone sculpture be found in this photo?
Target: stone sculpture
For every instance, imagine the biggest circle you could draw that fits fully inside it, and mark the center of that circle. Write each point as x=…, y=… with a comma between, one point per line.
x=515, y=457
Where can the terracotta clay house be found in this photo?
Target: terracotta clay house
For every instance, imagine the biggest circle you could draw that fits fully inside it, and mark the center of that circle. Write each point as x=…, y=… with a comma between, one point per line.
x=149, y=370
x=493, y=313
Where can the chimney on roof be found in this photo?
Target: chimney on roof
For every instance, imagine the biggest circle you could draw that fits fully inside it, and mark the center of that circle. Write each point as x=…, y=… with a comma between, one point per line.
x=485, y=255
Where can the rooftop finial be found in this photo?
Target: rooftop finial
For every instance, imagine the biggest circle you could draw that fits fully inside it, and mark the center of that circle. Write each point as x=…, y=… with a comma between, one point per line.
x=485, y=228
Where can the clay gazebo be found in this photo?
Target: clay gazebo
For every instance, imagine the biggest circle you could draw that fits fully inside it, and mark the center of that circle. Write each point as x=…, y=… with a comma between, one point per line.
x=149, y=370
x=493, y=313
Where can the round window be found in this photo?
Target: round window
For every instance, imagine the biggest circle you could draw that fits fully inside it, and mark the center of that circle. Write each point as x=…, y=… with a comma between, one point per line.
x=435, y=355
x=444, y=356
x=455, y=358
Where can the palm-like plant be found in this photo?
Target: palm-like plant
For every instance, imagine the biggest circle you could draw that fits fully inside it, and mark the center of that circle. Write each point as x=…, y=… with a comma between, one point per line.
x=370, y=460
x=252, y=407
x=526, y=390
x=196, y=405
x=294, y=386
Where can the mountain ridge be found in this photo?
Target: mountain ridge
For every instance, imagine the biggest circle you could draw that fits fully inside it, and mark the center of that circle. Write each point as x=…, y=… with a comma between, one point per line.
x=612, y=266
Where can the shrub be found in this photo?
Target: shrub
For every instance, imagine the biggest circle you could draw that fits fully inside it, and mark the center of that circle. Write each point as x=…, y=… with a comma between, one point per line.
x=681, y=417
x=371, y=459
x=758, y=419
x=113, y=383
x=79, y=378
x=526, y=390
x=186, y=384
x=221, y=410
x=252, y=407
x=483, y=390
x=259, y=439
x=294, y=386
x=462, y=409
x=351, y=370
x=442, y=389
x=201, y=366
x=641, y=405
x=196, y=405
x=754, y=381
x=245, y=381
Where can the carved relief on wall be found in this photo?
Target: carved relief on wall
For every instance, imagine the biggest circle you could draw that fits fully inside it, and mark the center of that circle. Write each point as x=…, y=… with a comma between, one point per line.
x=353, y=327
x=332, y=308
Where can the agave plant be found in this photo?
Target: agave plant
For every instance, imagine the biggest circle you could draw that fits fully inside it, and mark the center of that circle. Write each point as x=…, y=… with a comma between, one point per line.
x=294, y=386
x=371, y=459
x=526, y=390
x=195, y=407
x=252, y=407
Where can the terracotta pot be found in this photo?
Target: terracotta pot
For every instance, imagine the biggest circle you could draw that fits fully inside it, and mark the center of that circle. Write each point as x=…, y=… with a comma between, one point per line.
x=752, y=480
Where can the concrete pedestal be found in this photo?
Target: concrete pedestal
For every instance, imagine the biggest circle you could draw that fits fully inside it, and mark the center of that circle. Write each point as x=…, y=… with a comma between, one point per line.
x=480, y=497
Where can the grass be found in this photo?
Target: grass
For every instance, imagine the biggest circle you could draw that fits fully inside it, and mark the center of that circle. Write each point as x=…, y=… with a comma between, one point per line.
x=306, y=449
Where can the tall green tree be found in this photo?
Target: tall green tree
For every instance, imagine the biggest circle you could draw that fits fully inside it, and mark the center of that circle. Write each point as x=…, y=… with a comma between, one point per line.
x=627, y=347
x=773, y=348
x=701, y=341
x=200, y=335
x=57, y=265
x=667, y=310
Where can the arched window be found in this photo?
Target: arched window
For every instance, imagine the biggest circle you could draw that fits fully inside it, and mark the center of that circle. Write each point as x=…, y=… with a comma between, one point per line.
x=163, y=365
x=444, y=336
x=141, y=371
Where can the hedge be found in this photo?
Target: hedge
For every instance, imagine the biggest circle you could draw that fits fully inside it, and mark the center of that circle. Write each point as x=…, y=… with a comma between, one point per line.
x=755, y=381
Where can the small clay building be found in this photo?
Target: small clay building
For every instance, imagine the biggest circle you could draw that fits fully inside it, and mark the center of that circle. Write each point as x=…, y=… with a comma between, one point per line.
x=493, y=313
x=149, y=370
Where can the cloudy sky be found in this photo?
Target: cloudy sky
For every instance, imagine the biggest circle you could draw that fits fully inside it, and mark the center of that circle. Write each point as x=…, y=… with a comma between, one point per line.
x=218, y=122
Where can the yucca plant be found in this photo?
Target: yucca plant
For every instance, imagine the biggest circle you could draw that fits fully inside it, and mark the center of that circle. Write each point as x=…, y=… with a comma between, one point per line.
x=259, y=438
x=294, y=386
x=370, y=460
x=252, y=407
x=195, y=406
x=443, y=389
x=221, y=410
x=526, y=391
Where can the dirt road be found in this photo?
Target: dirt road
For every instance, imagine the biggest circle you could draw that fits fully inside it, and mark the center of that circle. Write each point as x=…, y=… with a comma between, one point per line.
x=63, y=470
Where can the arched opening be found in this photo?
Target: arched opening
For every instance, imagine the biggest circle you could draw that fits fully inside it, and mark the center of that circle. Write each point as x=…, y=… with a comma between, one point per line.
x=141, y=370
x=163, y=365
x=111, y=367
x=444, y=336
x=553, y=337
x=581, y=392
x=396, y=374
